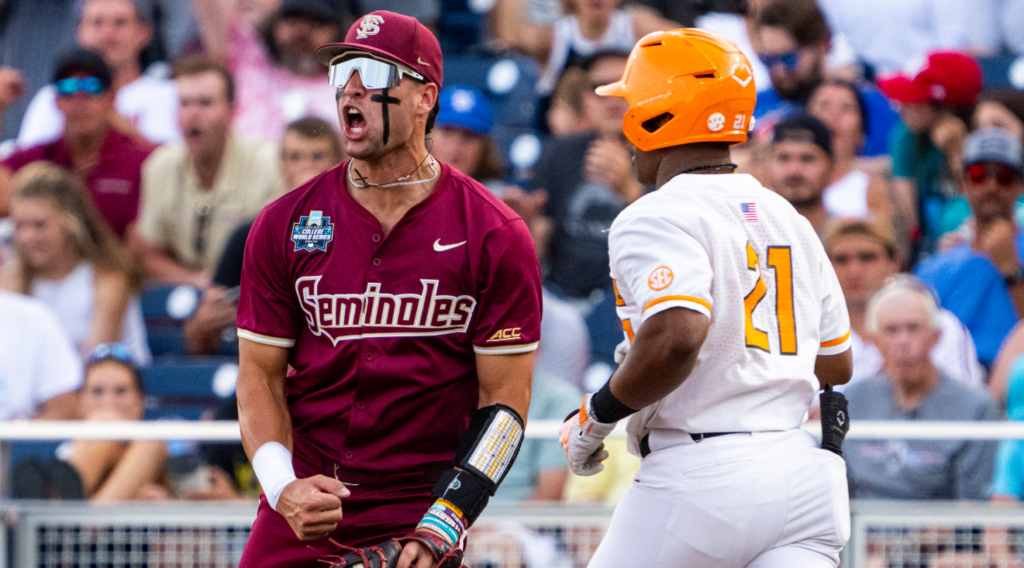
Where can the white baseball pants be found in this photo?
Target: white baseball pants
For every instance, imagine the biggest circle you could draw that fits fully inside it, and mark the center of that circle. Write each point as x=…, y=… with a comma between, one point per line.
x=761, y=500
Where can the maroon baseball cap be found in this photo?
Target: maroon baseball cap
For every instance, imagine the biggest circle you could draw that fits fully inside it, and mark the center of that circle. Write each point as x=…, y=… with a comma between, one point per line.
x=946, y=77
x=392, y=36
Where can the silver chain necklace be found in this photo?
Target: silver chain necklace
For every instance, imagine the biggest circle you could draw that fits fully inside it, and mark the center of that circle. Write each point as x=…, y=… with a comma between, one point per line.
x=398, y=182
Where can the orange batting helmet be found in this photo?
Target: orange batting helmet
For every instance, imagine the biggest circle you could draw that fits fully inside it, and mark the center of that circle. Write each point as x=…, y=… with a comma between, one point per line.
x=685, y=86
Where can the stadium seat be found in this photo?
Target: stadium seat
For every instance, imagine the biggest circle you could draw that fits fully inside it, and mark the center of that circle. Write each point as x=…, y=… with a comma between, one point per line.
x=186, y=388
x=1003, y=71
x=164, y=309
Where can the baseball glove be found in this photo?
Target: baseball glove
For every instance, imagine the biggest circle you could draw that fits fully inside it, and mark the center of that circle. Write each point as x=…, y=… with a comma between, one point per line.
x=386, y=554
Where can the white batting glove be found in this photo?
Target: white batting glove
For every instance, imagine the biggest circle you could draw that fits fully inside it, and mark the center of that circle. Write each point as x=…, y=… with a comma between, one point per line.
x=582, y=439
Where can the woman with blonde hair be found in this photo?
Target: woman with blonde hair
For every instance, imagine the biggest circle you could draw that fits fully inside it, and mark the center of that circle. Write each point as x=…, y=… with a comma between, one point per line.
x=70, y=259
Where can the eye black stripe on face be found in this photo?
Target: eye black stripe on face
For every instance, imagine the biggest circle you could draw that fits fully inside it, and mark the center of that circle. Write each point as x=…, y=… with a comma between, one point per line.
x=385, y=100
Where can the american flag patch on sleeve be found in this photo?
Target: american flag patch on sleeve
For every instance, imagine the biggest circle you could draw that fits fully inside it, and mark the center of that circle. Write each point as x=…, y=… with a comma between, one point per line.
x=749, y=211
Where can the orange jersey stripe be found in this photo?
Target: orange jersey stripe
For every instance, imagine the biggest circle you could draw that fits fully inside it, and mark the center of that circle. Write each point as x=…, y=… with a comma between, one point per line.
x=835, y=342
x=653, y=303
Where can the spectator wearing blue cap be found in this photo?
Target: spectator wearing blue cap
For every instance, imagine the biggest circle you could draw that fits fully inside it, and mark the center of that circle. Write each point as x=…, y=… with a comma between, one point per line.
x=462, y=135
x=982, y=281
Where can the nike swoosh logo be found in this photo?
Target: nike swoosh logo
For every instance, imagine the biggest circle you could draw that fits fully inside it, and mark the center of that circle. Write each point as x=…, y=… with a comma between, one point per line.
x=441, y=248
x=421, y=62
x=743, y=83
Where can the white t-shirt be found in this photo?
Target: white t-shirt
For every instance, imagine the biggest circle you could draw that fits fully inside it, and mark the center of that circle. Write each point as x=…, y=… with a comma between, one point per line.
x=37, y=359
x=726, y=247
x=74, y=299
x=847, y=197
x=150, y=103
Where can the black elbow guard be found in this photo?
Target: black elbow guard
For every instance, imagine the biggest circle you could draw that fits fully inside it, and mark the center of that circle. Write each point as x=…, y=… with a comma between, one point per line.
x=483, y=458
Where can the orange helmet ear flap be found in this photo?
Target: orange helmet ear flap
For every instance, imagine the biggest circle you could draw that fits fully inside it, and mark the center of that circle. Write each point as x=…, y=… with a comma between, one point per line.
x=685, y=86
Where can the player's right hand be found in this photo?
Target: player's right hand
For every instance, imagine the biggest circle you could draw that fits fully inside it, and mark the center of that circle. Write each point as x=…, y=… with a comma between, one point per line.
x=582, y=439
x=312, y=506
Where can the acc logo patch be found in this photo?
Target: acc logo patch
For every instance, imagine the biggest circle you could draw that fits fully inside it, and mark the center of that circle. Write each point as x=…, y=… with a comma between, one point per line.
x=370, y=25
x=660, y=278
x=507, y=334
x=313, y=232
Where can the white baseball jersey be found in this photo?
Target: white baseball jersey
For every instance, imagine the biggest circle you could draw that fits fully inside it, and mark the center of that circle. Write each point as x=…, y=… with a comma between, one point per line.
x=726, y=247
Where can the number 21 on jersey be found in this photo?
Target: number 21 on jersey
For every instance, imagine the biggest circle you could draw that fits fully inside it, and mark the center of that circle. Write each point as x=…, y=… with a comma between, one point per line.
x=780, y=261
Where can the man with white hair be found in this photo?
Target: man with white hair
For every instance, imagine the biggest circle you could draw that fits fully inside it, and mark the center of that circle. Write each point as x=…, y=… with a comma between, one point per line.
x=903, y=319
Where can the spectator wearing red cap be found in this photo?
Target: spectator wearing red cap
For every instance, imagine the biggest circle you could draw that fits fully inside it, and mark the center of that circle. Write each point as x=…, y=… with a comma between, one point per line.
x=934, y=97
x=279, y=80
x=381, y=435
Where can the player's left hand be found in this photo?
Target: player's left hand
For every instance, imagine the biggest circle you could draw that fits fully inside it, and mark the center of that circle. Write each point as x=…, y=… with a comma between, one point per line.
x=582, y=439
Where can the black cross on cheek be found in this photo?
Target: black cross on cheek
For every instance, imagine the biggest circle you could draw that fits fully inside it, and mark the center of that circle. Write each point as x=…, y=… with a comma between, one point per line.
x=384, y=99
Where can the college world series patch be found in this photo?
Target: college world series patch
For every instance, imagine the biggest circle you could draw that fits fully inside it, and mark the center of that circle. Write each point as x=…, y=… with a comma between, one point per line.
x=313, y=232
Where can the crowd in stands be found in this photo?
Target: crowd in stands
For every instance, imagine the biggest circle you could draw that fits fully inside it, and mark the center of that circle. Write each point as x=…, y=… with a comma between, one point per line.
x=143, y=137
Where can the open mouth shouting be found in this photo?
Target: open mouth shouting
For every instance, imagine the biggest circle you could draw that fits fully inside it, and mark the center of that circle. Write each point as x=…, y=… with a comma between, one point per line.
x=355, y=122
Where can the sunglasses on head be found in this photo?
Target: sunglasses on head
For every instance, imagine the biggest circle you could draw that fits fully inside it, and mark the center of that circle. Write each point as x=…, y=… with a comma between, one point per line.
x=864, y=257
x=70, y=86
x=1004, y=174
x=117, y=351
x=788, y=59
x=374, y=73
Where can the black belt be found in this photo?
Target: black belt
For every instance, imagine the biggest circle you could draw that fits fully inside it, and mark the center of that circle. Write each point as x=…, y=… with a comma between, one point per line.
x=645, y=444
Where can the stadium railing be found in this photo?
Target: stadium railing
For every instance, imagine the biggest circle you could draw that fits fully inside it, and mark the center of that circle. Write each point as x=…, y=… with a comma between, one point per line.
x=883, y=534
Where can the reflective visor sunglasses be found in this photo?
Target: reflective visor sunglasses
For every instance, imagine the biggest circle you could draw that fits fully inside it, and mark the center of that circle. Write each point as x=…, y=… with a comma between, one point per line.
x=374, y=73
x=1004, y=174
x=90, y=85
x=788, y=59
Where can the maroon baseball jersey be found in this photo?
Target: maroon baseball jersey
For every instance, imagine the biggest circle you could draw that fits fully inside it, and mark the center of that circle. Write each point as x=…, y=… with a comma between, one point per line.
x=115, y=180
x=384, y=330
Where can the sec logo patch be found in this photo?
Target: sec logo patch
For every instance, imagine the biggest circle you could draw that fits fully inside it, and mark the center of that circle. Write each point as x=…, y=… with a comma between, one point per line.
x=660, y=278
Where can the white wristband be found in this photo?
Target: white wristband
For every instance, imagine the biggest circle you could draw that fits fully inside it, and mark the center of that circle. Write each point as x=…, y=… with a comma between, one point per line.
x=273, y=467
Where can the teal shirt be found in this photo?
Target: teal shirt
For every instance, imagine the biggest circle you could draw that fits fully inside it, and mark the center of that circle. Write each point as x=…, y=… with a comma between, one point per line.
x=552, y=399
x=924, y=165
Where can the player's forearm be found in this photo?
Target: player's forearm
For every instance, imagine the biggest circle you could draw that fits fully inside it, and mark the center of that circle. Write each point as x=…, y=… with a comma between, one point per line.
x=661, y=357
x=262, y=410
x=505, y=379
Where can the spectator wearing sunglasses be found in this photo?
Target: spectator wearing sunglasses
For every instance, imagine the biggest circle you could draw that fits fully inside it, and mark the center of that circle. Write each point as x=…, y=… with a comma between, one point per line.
x=92, y=146
x=982, y=281
x=795, y=44
x=864, y=254
x=114, y=389
x=117, y=30
x=195, y=193
x=69, y=259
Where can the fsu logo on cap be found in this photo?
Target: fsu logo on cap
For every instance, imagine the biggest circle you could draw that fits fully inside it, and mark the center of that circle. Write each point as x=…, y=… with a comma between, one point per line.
x=370, y=25
x=313, y=232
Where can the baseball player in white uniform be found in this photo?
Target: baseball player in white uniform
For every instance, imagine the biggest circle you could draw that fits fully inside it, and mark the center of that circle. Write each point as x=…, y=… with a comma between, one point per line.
x=734, y=320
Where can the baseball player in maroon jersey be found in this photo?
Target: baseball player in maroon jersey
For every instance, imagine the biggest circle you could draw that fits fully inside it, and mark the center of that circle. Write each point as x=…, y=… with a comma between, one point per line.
x=388, y=315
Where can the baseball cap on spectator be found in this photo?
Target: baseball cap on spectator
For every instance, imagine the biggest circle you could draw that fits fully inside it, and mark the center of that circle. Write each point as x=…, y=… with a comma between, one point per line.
x=993, y=145
x=465, y=107
x=320, y=9
x=803, y=128
x=80, y=61
x=946, y=77
x=392, y=36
